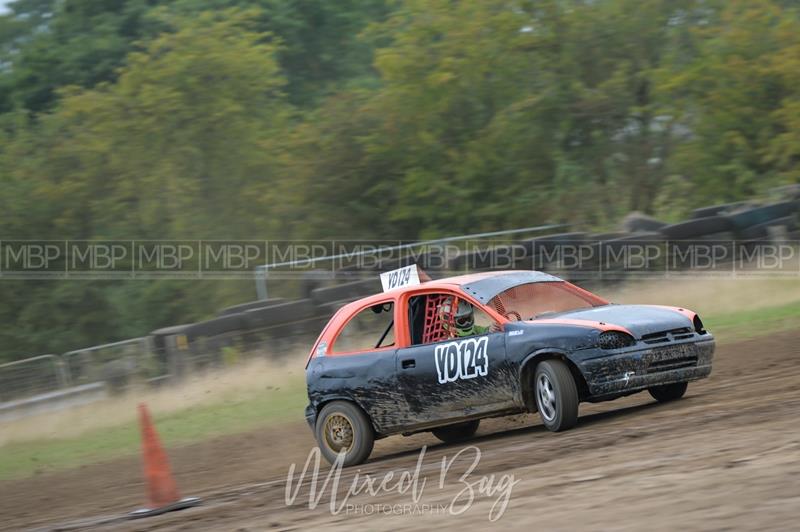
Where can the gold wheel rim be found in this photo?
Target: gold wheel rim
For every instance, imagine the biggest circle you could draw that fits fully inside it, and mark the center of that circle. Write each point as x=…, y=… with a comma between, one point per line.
x=339, y=433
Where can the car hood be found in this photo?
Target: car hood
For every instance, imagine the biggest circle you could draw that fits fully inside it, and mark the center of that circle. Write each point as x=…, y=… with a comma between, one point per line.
x=638, y=319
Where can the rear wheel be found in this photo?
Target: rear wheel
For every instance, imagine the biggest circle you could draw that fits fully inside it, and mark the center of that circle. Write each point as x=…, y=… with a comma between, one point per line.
x=556, y=395
x=668, y=392
x=457, y=432
x=343, y=427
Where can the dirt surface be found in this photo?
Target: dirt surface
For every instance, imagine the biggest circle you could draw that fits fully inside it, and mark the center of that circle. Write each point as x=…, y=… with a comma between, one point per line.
x=727, y=456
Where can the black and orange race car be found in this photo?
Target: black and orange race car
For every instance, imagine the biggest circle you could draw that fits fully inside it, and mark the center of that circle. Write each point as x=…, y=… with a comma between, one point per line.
x=441, y=355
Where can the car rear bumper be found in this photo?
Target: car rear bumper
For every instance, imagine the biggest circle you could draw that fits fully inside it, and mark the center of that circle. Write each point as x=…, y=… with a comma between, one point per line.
x=311, y=416
x=638, y=368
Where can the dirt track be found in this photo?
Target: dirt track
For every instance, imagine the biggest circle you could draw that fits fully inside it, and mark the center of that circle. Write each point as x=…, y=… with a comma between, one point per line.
x=727, y=456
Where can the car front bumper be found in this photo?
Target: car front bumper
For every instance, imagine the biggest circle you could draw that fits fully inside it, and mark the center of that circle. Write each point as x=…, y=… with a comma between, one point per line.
x=637, y=368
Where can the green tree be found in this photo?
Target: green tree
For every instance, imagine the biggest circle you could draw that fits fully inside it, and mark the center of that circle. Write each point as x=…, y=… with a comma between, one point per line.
x=79, y=42
x=506, y=113
x=739, y=102
x=186, y=144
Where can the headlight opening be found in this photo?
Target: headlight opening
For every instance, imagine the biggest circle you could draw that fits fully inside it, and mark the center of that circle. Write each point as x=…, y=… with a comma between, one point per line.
x=698, y=325
x=615, y=340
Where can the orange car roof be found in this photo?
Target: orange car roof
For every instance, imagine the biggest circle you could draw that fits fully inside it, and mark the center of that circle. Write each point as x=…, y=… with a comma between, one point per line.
x=460, y=281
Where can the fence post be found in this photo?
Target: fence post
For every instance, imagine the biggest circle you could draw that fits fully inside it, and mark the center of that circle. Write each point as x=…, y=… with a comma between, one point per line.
x=64, y=376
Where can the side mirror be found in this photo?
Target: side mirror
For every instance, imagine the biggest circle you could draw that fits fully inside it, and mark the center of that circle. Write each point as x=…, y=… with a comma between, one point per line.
x=381, y=307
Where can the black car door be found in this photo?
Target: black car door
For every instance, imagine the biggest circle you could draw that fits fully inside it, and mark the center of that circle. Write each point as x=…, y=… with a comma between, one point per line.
x=453, y=377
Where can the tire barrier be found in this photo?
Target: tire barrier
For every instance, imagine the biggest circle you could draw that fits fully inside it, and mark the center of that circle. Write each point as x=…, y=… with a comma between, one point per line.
x=548, y=243
x=299, y=310
x=216, y=326
x=616, y=245
x=698, y=227
x=743, y=219
x=311, y=281
x=345, y=292
x=790, y=192
x=502, y=257
x=543, y=252
x=277, y=326
x=715, y=210
x=763, y=231
x=242, y=307
x=637, y=222
x=430, y=262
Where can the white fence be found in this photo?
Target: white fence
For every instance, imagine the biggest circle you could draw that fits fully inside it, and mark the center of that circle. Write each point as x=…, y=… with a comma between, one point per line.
x=116, y=365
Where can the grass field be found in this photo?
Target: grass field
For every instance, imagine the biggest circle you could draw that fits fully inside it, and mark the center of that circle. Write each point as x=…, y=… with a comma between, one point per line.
x=226, y=416
x=733, y=326
x=240, y=412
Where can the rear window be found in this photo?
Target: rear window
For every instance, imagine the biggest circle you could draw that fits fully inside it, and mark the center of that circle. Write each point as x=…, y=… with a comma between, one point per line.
x=371, y=328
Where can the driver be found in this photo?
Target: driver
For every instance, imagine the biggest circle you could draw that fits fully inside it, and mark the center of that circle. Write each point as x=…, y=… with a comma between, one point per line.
x=464, y=320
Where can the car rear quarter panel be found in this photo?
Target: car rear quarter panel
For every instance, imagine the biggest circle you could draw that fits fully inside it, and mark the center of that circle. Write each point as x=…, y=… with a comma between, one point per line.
x=368, y=379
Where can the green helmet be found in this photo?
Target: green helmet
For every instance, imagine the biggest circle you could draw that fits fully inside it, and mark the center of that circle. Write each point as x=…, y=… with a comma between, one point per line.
x=463, y=317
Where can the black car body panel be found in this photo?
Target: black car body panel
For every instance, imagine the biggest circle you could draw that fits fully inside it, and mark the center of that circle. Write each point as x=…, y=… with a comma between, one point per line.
x=640, y=320
x=418, y=387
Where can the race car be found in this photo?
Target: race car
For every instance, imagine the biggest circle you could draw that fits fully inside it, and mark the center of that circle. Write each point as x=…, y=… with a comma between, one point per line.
x=443, y=354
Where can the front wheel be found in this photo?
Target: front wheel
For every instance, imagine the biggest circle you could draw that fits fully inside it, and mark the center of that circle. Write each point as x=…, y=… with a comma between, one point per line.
x=457, y=432
x=556, y=395
x=343, y=427
x=668, y=392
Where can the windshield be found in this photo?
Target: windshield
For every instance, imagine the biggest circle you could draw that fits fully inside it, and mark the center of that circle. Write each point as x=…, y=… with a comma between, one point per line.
x=531, y=300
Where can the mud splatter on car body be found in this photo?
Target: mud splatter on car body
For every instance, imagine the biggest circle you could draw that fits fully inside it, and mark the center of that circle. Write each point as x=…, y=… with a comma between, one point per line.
x=398, y=388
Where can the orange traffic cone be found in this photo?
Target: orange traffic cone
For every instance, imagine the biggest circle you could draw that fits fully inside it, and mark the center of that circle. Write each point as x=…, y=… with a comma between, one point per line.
x=162, y=493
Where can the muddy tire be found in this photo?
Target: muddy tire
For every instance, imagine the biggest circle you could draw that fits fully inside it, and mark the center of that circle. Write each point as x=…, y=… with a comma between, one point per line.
x=458, y=432
x=556, y=395
x=668, y=392
x=343, y=426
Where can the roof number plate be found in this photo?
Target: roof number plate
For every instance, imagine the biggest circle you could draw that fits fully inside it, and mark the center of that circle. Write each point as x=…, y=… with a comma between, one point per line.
x=406, y=276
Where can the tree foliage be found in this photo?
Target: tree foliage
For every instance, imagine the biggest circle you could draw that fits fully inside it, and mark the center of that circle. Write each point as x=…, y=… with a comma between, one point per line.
x=257, y=119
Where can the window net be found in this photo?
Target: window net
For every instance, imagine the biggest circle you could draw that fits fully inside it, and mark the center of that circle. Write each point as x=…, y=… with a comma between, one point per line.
x=439, y=318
